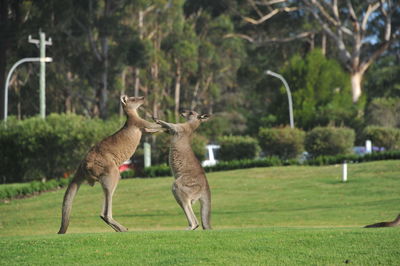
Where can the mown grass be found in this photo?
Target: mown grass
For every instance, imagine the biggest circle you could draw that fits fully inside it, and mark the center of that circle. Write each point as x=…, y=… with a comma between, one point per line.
x=280, y=215
x=260, y=246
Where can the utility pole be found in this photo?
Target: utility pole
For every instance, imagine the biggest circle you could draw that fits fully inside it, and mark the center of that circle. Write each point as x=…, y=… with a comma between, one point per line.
x=41, y=43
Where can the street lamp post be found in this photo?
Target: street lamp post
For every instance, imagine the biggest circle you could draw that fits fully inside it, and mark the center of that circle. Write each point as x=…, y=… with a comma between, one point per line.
x=24, y=60
x=269, y=72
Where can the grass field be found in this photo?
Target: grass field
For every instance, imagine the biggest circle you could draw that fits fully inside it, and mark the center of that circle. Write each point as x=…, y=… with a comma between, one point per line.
x=269, y=216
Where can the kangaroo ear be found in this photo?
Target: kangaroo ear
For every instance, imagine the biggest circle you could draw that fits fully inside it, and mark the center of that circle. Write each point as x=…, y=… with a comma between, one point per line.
x=124, y=99
x=204, y=117
x=184, y=113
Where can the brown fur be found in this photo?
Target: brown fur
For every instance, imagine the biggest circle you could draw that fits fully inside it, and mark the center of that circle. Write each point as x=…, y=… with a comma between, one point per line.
x=190, y=179
x=102, y=161
x=395, y=222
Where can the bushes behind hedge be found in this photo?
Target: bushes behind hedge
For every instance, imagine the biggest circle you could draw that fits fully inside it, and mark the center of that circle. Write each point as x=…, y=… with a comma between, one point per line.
x=383, y=137
x=34, y=148
x=164, y=170
x=286, y=143
x=16, y=190
x=329, y=141
x=237, y=148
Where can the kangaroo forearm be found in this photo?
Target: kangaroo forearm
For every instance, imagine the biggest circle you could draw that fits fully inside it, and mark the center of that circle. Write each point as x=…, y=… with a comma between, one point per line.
x=150, y=125
x=166, y=125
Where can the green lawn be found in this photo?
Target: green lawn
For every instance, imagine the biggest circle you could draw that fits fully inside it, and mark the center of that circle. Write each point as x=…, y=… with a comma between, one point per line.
x=280, y=215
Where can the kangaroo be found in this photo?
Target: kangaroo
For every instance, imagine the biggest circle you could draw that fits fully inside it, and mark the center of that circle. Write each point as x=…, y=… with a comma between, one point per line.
x=395, y=222
x=190, y=180
x=103, y=159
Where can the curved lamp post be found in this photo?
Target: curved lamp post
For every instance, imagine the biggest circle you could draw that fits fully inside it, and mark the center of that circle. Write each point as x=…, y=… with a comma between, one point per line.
x=269, y=72
x=24, y=60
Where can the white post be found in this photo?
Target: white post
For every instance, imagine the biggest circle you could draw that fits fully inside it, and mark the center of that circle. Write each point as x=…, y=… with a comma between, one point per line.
x=344, y=172
x=147, y=154
x=368, y=146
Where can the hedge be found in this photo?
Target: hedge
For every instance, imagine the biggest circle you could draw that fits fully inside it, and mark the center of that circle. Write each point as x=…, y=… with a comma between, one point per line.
x=16, y=190
x=34, y=148
x=329, y=141
x=286, y=142
x=237, y=148
x=25, y=189
x=383, y=137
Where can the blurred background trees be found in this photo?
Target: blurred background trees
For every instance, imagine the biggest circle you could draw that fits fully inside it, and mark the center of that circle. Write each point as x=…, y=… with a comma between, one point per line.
x=210, y=56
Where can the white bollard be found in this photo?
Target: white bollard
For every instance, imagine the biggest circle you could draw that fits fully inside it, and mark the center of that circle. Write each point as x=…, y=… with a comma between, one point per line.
x=147, y=154
x=344, y=172
x=368, y=146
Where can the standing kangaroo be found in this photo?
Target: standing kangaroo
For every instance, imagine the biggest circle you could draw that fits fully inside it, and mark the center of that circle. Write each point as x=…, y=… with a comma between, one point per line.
x=102, y=161
x=395, y=222
x=190, y=179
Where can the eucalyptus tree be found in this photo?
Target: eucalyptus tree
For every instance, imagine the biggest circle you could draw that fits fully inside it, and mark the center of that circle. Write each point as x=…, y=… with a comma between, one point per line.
x=361, y=30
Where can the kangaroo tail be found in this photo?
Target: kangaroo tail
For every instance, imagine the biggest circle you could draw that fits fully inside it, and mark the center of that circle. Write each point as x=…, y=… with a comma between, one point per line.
x=205, y=210
x=67, y=203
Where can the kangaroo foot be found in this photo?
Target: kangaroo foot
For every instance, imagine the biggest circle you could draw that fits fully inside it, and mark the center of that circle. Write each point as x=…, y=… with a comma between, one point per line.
x=193, y=227
x=114, y=224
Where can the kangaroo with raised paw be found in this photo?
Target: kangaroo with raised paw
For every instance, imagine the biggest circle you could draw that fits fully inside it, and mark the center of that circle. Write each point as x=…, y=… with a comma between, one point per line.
x=190, y=182
x=102, y=161
x=395, y=222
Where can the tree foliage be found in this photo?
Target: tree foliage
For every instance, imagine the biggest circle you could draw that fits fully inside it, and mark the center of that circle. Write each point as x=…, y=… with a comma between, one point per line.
x=197, y=54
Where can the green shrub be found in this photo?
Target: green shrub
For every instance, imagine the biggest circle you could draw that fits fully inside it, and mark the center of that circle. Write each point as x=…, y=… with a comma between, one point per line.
x=383, y=112
x=286, y=143
x=338, y=159
x=157, y=170
x=199, y=143
x=35, y=148
x=130, y=173
x=160, y=148
x=383, y=137
x=329, y=141
x=244, y=163
x=238, y=147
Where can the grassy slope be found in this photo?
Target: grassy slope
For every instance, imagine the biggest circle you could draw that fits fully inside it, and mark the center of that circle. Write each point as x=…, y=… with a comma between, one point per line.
x=252, y=210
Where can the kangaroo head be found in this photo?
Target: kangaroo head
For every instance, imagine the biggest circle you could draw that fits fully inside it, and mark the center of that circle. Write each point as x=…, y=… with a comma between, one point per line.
x=194, y=119
x=192, y=116
x=131, y=103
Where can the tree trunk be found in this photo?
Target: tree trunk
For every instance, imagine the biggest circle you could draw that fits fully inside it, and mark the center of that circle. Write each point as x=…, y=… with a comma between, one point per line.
x=323, y=44
x=137, y=70
x=178, y=78
x=194, y=97
x=137, y=81
x=356, y=79
x=103, y=99
x=123, y=91
x=3, y=63
x=3, y=51
x=103, y=95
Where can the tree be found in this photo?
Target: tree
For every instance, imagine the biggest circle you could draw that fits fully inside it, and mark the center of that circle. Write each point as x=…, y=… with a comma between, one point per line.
x=320, y=91
x=362, y=32
x=12, y=20
x=383, y=78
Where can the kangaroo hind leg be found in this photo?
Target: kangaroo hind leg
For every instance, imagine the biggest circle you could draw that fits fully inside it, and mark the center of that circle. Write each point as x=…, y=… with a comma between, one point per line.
x=69, y=196
x=109, y=184
x=186, y=206
x=205, y=210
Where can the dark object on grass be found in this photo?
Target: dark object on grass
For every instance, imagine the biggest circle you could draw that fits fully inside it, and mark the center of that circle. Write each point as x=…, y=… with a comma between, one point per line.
x=395, y=222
